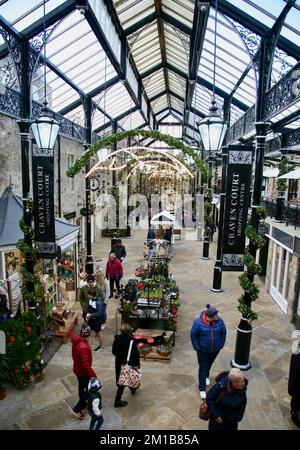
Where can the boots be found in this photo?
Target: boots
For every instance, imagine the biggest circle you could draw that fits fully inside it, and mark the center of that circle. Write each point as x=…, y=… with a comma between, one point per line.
x=120, y=403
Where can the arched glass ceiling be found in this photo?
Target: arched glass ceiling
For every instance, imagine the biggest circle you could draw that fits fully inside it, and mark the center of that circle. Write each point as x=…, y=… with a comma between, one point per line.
x=159, y=34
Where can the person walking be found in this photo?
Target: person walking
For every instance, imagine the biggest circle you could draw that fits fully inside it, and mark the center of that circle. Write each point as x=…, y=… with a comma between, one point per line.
x=119, y=250
x=212, y=230
x=208, y=335
x=120, y=350
x=294, y=380
x=95, y=317
x=104, y=285
x=84, y=298
x=82, y=367
x=94, y=404
x=114, y=272
x=226, y=400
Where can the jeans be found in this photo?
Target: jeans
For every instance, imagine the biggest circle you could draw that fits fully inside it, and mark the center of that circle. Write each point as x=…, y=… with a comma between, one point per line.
x=111, y=283
x=83, y=383
x=205, y=361
x=96, y=420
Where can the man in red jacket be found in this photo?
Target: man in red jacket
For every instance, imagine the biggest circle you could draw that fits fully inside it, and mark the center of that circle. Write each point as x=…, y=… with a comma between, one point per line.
x=82, y=367
x=114, y=272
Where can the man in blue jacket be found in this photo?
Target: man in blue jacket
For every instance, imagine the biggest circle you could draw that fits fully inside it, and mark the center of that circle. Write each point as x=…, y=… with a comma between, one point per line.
x=208, y=335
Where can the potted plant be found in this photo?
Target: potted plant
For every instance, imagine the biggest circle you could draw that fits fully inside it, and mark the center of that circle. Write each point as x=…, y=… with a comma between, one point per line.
x=4, y=374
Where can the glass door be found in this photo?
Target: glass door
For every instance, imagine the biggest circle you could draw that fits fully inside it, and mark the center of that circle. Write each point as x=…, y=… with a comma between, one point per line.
x=280, y=279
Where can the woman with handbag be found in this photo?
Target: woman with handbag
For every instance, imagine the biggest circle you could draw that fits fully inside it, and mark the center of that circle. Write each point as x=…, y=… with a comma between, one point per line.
x=120, y=349
x=226, y=400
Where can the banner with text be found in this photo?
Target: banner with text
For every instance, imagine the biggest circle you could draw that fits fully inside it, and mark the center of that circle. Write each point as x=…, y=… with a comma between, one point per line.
x=237, y=202
x=43, y=202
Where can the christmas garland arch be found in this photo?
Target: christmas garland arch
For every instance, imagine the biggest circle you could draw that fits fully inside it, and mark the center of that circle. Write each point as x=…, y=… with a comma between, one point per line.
x=110, y=140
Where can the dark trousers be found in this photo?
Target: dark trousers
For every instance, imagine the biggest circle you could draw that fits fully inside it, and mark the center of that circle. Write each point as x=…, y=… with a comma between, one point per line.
x=98, y=421
x=205, y=361
x=83, y=383
x=111, y=283
x=295, y=404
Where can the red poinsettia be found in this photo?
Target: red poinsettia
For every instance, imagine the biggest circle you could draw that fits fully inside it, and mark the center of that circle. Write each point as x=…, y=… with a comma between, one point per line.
x=12, y=339
x=29, y=329
x=26, y=369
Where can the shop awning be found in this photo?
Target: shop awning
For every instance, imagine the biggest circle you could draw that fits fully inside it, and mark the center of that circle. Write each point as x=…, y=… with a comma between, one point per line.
x=294, y=175
x=271, y=173
x=163, y=218
x=11, y=211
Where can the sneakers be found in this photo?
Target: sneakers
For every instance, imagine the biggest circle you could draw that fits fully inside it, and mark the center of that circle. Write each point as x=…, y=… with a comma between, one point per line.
x=120, y=403
x=79, y=414
x=207, y=381
x=98, y=349
x=203, y=395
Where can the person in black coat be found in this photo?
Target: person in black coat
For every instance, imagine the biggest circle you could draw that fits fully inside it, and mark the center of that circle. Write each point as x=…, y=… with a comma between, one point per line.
x=119, y=250
x=120, y=350
x=294, y=383
x=226, y=400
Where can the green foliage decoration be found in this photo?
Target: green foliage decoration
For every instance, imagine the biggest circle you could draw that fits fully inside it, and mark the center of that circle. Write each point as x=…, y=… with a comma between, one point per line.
x=284, y=167
x=23, y=349
x=154, y=134
x=251, y=291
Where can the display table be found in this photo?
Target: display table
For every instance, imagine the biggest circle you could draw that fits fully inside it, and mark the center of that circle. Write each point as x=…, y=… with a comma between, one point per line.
x=169, y=341
x=63, y=321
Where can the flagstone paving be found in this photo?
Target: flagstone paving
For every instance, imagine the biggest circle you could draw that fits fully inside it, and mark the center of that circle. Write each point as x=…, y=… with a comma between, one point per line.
x=168, y=398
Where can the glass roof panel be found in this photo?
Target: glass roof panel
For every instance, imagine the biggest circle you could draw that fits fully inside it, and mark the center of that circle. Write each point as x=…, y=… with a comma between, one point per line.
x=21, y=14
x=159, y=104
x=259, y=9
x=111, y=101
x=172, y=130
x=183, y=10
x=131, y=11
x=155, y=83
x=290, y=29
x=132, y=121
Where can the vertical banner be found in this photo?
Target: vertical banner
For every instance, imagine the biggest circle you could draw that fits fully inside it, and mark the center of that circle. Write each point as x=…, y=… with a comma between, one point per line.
x=237, y=202
x=43, y=201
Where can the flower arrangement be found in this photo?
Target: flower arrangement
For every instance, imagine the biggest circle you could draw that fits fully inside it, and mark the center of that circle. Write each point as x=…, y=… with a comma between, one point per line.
x=83, y=275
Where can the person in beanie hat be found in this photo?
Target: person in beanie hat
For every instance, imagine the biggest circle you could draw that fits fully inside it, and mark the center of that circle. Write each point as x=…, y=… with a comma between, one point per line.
x=208, y=335
x=94, y=404
x=82, y=367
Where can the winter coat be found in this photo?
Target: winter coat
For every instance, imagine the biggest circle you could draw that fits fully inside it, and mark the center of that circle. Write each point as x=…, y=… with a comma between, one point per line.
x=208, y=336
x=294, y=376
x=120, y=349
x=114, y=268
x=84, y=298
x=97, y=313
x=230, y=407
x=151, y=234
x=119, y=251
x=82, y=357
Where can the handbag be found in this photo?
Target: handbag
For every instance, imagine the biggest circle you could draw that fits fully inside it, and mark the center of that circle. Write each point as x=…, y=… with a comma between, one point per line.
x=204, y=413
x=129, y=376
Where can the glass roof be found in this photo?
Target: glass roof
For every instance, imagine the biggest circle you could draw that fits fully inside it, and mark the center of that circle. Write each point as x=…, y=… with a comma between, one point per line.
x=83, y=57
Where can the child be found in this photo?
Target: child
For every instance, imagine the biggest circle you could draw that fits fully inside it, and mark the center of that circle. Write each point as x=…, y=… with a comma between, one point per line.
x=94, y=403
x=95, y=317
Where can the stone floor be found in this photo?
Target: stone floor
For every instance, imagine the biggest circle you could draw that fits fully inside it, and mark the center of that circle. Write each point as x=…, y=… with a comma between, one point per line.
x=168, y=398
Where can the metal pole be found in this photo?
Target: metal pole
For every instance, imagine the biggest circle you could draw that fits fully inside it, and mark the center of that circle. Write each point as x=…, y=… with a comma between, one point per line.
x=87, y=102
x=217, y=279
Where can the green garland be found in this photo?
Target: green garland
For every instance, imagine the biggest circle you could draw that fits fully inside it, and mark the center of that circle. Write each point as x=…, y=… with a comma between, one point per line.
x=30, y=254
x=154, y=134
x=250, y=289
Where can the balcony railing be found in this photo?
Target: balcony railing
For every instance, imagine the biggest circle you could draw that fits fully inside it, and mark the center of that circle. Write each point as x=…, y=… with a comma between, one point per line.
x=289, y=214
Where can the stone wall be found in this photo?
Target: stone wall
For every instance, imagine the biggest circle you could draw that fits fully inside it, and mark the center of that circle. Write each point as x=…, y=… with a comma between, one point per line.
x=10, y=169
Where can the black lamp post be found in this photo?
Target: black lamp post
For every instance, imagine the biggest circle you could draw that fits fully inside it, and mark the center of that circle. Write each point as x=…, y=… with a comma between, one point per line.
x=217, y=279
x=212, y=131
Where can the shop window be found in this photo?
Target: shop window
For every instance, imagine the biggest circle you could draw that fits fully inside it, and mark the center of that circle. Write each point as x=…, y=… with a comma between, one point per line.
x=13, y=260
x=293, y=189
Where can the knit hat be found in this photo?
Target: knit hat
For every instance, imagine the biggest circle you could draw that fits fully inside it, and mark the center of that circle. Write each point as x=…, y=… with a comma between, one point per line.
x=94, y=384
x=85, y=330
x=211, y=311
